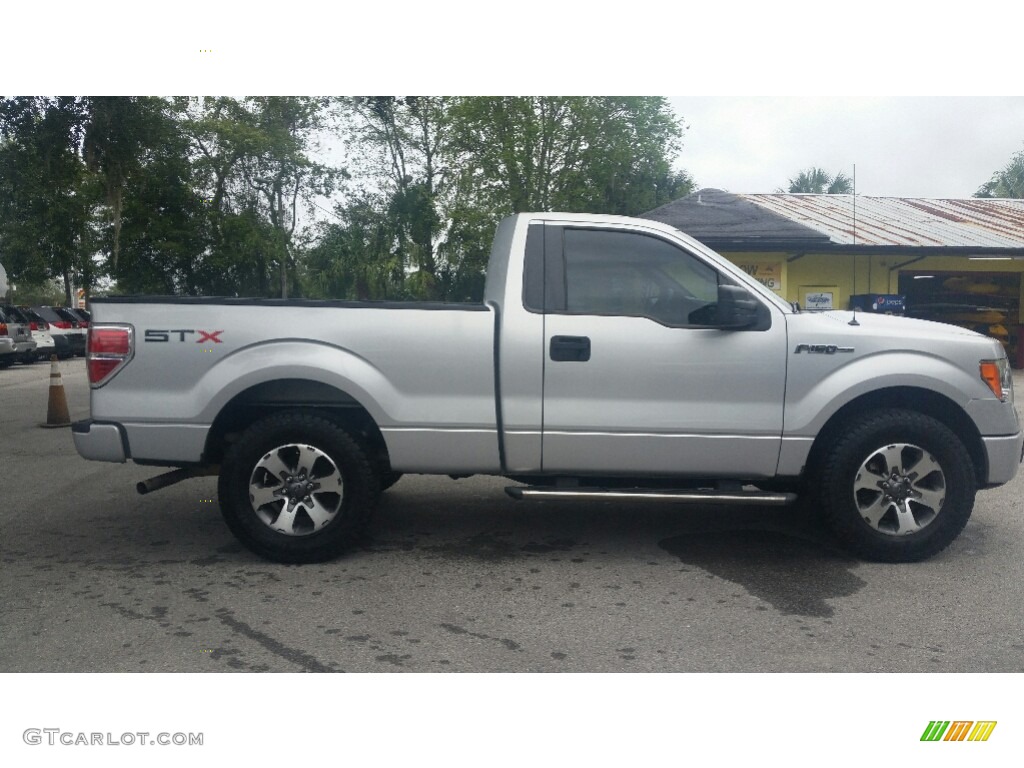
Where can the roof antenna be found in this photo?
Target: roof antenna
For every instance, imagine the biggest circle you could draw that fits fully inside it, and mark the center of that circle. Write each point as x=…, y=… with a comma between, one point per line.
x=854, y=252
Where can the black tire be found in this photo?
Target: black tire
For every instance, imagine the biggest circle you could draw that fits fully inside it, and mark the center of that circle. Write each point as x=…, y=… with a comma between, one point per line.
x=892, y=460
x=284, y=438
x=388, y=479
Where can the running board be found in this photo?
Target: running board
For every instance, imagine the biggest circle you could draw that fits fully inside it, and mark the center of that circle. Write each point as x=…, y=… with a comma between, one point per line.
x=520, y=492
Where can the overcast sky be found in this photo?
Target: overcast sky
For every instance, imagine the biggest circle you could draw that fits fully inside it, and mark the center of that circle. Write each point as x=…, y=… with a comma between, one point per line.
x=902, y=146
x=929, y=145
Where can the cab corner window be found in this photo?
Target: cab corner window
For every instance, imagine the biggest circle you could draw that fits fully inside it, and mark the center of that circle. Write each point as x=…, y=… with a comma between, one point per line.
x=624, y=273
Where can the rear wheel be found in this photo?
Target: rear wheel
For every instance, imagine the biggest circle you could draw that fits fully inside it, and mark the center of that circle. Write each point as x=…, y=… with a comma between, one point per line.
x=297, y=488
x=898, y=486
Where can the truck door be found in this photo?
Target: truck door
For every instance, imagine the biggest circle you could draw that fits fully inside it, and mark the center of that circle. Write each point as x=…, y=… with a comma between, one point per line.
x=632, y=384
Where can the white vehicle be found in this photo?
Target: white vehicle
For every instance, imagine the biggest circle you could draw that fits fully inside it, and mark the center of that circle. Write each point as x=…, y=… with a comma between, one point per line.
x=16, y=341
x=64, y=323
x=51, y=341
x=45, y=345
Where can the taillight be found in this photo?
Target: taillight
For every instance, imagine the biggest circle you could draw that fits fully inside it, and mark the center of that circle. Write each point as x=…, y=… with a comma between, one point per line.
x=3, y=329
x=109, y=349
x=64, y=325
x=34, y=325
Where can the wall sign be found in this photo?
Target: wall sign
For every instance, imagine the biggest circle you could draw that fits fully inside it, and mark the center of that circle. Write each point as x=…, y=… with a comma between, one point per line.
x=768, y=274
x=818, y=298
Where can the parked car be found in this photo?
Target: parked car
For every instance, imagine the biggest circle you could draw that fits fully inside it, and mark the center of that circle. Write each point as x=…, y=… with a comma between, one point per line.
x=15, y=336
x=83, y=315
x=45, y=345
x=41, y=331
x=65, y=323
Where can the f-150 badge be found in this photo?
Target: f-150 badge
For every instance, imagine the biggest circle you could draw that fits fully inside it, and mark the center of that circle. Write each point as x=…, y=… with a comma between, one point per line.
x=820, y=349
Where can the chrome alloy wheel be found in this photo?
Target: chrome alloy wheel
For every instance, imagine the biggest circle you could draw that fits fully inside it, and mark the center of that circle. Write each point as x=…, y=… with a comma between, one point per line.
x=296, y=489
x=899, y=489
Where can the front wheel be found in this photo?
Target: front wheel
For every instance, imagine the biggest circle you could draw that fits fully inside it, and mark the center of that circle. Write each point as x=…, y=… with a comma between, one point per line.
x=388, y=479
x=898, y=486
x=296, y=488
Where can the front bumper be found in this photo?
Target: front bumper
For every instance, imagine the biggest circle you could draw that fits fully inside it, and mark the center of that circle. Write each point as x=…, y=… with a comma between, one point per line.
x=1004, y=457
x=99, y=441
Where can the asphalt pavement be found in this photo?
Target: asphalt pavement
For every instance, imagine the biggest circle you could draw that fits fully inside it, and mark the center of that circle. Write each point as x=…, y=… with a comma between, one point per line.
x=455, y=576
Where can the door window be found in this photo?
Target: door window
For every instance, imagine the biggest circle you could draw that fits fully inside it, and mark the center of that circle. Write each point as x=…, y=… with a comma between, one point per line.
x=624, y=273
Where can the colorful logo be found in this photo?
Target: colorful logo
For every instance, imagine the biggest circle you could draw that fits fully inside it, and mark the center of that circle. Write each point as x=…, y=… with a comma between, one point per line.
x=958, y=730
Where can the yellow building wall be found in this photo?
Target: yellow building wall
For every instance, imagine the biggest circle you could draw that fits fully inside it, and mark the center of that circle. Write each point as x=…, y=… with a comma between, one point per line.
x=874, y=274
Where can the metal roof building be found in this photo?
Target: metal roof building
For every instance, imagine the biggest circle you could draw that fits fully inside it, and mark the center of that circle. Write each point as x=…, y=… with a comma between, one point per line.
x=824, y=223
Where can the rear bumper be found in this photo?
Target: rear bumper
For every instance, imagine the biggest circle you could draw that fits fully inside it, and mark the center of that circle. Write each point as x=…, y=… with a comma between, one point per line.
x=1004, y=457
x=100, y=441
x=16, y=349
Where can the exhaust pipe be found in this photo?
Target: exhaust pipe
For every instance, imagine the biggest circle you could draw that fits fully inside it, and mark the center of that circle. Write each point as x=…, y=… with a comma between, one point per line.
x=172, y=477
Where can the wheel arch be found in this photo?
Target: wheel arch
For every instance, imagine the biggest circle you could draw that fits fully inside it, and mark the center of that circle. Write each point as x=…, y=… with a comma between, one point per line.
x=924, y=401
x=278, y=395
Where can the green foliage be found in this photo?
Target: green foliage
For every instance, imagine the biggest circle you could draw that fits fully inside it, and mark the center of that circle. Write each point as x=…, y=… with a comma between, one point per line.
x=445, y=171
x=46, y=196
x=1008, y=182
x=162, y=241
x=352, y=259
x=253, y=168
x=48, y=293
x=595, y=154
x=817, y=181
x=205, y=196
x=120, y=133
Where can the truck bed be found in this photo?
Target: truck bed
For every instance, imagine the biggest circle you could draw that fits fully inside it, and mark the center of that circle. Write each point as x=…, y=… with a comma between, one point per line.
x=423, y=371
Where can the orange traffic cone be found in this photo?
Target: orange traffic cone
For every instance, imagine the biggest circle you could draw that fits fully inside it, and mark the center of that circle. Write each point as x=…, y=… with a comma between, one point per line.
x=57, y=408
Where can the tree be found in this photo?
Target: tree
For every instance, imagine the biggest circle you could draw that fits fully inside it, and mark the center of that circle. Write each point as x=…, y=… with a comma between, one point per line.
x=120, y=132
x=1008, y=182
x=281, y=170
x=165, y=236
x=817, y=181
x=406, y=149
x=596, y=154
x=253, y=169
x=204, y=195
x=70, y=164
x=47, y=196
x=437, y=174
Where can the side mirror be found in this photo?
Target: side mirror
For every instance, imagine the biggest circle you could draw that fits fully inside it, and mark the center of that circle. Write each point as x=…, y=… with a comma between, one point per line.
x=737, y=309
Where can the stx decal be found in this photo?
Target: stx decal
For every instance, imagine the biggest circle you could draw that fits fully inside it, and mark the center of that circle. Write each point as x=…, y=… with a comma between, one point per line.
x=958, y=730
x=180, y=334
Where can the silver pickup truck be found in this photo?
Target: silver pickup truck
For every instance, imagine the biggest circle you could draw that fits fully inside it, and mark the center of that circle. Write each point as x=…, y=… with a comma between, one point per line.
x=610, y=358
